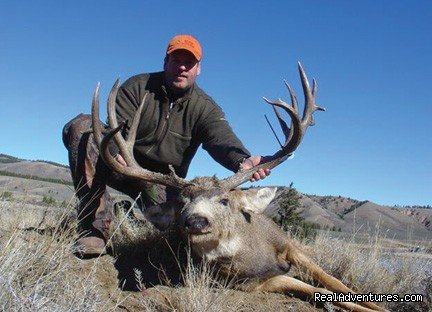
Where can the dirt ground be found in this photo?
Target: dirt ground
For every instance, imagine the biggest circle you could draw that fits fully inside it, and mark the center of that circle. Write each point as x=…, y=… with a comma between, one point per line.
x=164, y=298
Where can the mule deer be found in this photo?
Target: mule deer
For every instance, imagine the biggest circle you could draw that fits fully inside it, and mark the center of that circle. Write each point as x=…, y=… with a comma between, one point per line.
x=225, y=225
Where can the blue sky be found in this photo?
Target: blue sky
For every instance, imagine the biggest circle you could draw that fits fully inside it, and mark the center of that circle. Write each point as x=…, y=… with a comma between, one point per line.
x=372, y=61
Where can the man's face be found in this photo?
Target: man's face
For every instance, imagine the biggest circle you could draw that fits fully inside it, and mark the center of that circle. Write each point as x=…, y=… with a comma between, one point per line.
x=181, y=69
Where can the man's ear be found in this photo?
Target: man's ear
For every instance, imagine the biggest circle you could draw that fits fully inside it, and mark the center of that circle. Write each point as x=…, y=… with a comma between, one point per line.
x=257, y=199
x=165, y=61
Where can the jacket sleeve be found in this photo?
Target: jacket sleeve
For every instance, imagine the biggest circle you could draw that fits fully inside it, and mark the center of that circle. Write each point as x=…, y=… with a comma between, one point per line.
x=219, y=140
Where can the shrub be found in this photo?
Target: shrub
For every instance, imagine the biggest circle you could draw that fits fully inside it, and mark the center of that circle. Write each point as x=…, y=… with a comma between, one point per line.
x=6, y=195
x=49, y=200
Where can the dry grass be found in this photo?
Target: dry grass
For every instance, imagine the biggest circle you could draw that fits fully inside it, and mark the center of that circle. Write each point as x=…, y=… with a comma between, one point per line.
x=192, y=286
x=38, y=271
x=370, y=267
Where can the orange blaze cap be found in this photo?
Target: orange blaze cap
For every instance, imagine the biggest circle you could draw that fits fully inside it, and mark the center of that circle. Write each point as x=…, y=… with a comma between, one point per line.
x=185, y=42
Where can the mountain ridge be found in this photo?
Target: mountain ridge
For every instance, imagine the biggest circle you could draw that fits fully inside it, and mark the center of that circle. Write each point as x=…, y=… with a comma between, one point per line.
x=337, y=213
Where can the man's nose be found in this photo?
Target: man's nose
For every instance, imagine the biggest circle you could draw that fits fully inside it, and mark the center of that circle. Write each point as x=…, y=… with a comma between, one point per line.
x=182, y=67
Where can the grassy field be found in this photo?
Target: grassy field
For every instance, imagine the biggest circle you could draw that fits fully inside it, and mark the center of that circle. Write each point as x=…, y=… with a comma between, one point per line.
x=151, y=271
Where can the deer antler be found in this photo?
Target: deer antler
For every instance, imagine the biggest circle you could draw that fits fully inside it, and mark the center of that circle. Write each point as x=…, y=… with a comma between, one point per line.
x=293, y=135
x=133, y=169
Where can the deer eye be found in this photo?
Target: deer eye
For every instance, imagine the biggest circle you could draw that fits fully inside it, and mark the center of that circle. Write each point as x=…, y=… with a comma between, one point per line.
x=224, y=201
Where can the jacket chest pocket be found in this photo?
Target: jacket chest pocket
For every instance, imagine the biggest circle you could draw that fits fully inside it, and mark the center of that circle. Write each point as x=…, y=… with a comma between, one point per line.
x=179, y=136
x=173, y=148
x=177, y=143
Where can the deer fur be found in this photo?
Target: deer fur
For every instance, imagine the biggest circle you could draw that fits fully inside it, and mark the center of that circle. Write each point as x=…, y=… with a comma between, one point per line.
x=229, y=230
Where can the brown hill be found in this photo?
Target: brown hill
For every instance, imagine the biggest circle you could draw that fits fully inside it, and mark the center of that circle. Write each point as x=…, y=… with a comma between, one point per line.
x=329, y=212
x=337, y=204
x=389, y=220
x=314, y=212
x=349, y=215
x=36, y=169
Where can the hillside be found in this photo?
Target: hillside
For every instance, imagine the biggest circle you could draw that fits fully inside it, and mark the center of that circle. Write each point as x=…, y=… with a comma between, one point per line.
x=347, y=215
x=41, y=178
x=10, y=165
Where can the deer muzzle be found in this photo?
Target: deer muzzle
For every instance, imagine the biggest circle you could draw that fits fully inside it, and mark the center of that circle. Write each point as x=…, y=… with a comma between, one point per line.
x=196, y=224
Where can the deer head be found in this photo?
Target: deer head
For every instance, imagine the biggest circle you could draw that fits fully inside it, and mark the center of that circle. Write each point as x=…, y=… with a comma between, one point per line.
x=212, y=217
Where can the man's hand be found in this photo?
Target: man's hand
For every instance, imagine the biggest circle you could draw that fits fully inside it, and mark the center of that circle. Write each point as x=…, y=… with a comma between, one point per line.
x=252, y=162
x=120, y=160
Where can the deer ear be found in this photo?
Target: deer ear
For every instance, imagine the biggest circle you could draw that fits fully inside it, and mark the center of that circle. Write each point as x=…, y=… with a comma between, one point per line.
x=258, y=199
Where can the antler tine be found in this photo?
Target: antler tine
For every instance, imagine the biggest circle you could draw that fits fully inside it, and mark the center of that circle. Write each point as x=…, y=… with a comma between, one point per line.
x=285, y=129
x=125, y=146
x=280, y=156
x=290, y=139
x=314, y=87
x=294, y=103
x=97, y=128
x=125, y=150
x=293, y=137
x=133, y=169
x=138, y=172
x=104, y=150
x=135, y=123
x=310, y=106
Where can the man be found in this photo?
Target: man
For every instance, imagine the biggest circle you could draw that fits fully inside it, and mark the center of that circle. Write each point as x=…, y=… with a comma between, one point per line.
x=177, y=118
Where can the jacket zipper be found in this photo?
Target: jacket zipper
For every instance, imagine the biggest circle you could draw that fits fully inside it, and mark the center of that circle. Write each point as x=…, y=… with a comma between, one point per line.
x=164, y=126
x=169, y=110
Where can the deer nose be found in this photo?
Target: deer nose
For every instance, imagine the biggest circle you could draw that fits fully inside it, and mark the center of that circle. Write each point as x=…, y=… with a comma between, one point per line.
x=196, y=223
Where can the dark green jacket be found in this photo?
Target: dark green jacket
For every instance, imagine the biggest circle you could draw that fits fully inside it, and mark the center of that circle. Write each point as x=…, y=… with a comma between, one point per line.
x=172, y=136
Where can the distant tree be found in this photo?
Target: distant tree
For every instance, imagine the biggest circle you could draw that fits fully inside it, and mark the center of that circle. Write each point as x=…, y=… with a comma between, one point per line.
x=353, y=207
x=289, y=219
x=4, y=158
